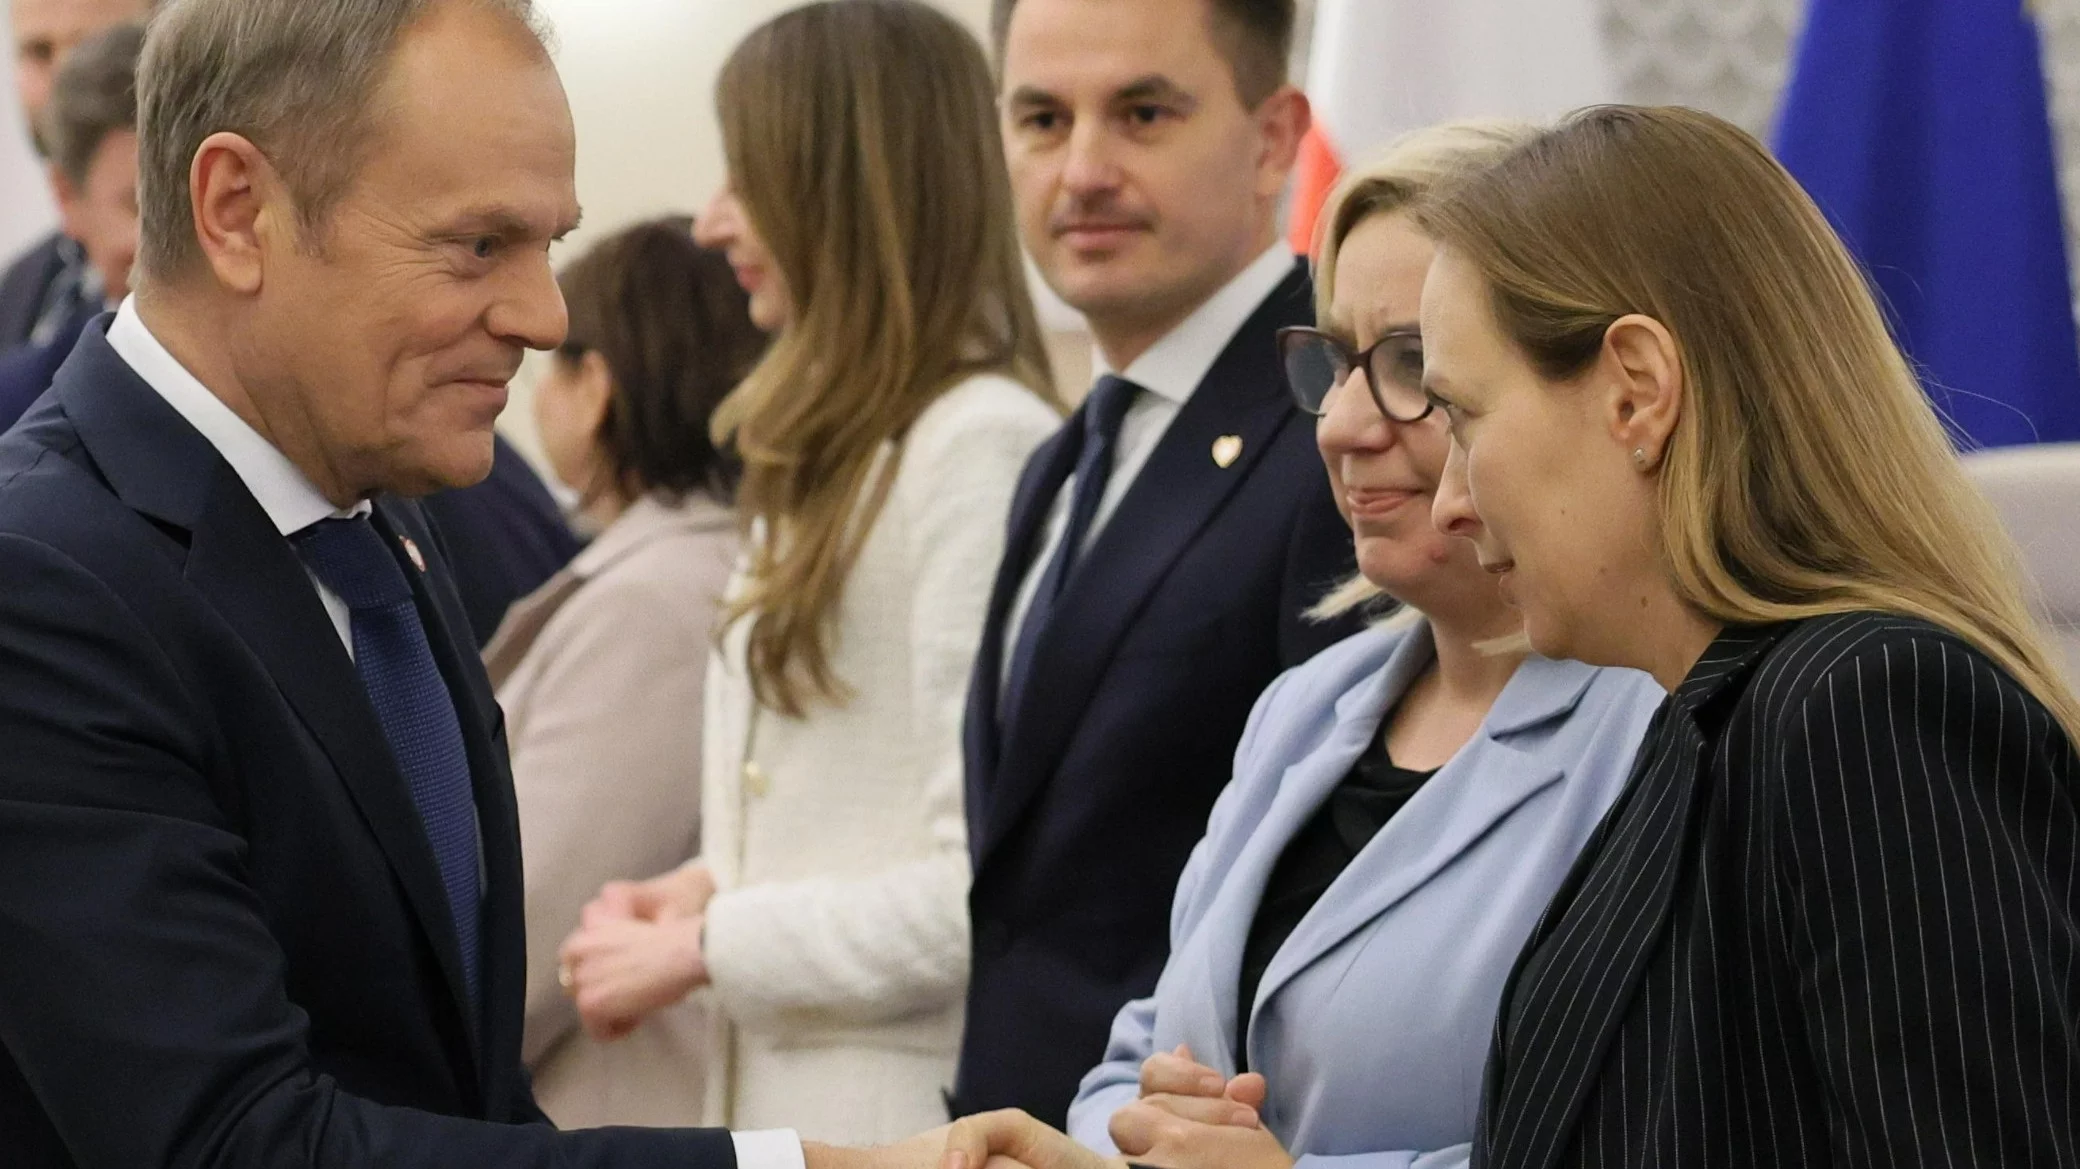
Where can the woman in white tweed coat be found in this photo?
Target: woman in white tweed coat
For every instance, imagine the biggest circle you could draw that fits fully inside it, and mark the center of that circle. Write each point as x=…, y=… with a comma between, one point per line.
x=869, y=217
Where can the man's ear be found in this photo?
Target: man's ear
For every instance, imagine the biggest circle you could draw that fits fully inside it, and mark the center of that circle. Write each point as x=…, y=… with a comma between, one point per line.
x=239, y=204
x=1643, y=369
x=1283, y=121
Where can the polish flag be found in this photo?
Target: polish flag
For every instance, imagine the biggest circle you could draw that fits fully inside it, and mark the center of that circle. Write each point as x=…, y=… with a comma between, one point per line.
x=1379, y=68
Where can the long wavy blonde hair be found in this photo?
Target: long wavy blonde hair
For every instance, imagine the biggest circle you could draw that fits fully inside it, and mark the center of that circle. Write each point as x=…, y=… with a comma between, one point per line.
x=1403, y=172
x=861, y=138
x=1808, y=474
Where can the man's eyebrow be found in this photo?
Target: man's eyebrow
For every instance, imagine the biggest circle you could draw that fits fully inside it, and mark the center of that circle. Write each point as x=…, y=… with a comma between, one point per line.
x=1155, y=87
x=1027, y=96
x=505, y=223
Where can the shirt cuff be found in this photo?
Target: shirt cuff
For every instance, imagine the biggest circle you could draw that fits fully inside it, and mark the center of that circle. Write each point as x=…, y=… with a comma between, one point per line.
x=772, y=1148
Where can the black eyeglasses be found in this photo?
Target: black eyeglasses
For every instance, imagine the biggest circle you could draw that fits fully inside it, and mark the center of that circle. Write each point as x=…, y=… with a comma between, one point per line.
x=1317, y=363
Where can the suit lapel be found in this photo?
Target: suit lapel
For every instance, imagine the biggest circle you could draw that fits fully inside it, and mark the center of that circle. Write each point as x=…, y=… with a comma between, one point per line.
x=1575, y=981
x=1301, y=790
x=1173, y=498
x=163, y=468
x=1046, y=471
x=1483, y=784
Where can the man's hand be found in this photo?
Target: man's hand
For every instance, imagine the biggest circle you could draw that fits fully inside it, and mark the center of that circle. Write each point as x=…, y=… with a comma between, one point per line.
x=1009, y=1139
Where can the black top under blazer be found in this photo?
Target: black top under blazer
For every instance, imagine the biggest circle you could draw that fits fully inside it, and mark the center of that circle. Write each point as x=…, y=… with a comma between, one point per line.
x=223, y=939
x=1084, y=803
x=1832, y=921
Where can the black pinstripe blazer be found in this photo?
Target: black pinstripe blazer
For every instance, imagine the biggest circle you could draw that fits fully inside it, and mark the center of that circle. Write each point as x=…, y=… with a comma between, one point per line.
x=1832, y=921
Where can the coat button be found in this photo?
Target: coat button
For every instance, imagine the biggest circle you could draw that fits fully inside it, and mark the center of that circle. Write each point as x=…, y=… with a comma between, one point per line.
x=755, y=781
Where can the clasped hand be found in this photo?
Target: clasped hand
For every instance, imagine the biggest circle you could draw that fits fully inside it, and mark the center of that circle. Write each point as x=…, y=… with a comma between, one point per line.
x=1188, y=1116
x=638, y=948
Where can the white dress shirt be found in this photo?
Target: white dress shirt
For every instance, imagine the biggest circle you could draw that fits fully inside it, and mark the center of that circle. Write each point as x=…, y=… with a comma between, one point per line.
x=294, y=503
x=1170, y=372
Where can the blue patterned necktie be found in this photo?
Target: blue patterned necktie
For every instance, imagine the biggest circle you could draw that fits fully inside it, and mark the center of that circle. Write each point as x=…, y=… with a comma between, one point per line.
x=412, y=704
x=1102, y=416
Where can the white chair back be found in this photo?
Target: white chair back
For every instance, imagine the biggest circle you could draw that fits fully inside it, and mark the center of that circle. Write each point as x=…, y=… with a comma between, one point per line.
x=2036, y=489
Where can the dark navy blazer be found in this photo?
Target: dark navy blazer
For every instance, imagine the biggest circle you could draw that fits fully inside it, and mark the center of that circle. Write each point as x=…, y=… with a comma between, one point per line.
x=223, y=940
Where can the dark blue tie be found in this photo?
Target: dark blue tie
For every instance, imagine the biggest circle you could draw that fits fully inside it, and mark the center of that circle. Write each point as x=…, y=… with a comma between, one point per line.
x=412, y=703
x=1102, y=414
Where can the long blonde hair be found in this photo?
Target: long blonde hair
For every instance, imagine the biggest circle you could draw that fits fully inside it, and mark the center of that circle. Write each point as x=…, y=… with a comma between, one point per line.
x=861, y=138
x=1401, y=174
x=1807, y=474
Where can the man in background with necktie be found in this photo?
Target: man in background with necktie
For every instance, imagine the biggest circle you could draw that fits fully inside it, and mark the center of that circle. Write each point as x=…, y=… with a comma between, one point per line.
x=48, y=288
x=1165, y=545
x=260, y=892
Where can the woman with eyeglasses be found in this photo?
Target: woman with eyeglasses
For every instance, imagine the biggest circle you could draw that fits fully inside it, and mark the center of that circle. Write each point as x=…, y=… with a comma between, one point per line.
x=1403, y=805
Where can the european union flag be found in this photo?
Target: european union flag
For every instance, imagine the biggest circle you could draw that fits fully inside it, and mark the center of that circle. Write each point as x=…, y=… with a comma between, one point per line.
x=1921, y=129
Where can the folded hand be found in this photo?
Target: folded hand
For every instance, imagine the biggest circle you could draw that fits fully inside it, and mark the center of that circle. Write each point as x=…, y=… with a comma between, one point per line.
x=619, y=969
x=1176, y=1085
x=683, y=892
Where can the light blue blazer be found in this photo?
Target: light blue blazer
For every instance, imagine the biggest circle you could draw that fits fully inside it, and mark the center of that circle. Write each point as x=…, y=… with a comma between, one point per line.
x=1373, y=1021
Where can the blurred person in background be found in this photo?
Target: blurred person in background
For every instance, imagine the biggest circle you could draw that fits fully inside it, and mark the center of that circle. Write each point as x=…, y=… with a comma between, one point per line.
x=90, y=134
x=1165, y=546
x=505, y=537
x=868, y=215
x=44, y=291
x=599, y=672
x=1403, y=806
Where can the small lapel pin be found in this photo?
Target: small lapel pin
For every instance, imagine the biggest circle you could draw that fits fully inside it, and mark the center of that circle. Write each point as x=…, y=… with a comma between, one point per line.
x=412, y=550
x=1226, y=449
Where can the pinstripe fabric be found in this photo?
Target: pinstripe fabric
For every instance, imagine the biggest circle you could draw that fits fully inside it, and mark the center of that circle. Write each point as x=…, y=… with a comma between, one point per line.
x=1832, y=921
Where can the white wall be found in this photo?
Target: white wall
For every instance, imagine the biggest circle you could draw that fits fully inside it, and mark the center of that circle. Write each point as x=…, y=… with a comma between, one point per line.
x=25, y=202
x=641, y=77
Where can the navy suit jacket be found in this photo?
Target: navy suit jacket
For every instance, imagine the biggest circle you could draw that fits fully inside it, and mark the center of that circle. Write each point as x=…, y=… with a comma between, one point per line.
x=22, y=289
x=223, y=940
x=1084, y=803
x=27, y=371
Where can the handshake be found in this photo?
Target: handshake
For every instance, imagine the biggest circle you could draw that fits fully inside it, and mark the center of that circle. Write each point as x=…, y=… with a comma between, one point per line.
x=1187, y=1117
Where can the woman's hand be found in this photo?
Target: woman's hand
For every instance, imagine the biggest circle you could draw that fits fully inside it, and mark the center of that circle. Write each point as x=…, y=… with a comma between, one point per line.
x=620, y=968
x=1183, y=1110
x=683, y=892
x=1154, y=1131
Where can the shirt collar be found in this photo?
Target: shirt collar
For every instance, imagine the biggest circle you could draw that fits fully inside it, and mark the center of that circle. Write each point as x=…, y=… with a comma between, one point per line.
x=1175, y=365
x=285, y=493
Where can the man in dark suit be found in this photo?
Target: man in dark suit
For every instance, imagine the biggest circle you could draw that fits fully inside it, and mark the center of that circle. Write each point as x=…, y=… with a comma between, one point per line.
x=90, y=134
x=48, y=287
x=260, y=890
x=1164, y=547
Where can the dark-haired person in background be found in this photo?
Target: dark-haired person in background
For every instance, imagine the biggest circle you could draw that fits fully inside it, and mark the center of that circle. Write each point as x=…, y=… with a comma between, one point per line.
x=1165, y=544
x=599, y=672
x=89, y=131
x=47, y=288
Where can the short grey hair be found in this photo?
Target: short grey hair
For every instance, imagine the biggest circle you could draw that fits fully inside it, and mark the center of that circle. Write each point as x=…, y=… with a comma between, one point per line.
x=297, y=78
x=94, y=95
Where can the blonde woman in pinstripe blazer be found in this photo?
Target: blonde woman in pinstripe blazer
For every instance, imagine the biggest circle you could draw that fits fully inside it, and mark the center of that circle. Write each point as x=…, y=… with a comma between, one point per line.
x=1834, y=918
